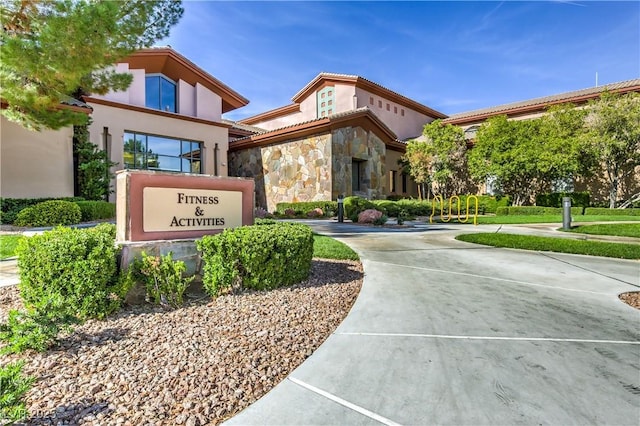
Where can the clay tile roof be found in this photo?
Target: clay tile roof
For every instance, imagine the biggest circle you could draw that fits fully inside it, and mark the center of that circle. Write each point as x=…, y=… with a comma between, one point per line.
x=543, y=102
x=242, y=126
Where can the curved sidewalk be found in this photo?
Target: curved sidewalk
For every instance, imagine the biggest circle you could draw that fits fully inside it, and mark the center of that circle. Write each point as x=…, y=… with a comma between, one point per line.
x=445, y=332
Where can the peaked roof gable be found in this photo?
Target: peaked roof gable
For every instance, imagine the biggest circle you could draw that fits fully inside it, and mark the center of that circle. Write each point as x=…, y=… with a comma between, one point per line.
x=325, y=78
x=165, y=60
x=363, y=117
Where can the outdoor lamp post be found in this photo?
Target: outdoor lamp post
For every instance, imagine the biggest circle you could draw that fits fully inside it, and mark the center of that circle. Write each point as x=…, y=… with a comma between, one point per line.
x=340, y=208
x=566, y=213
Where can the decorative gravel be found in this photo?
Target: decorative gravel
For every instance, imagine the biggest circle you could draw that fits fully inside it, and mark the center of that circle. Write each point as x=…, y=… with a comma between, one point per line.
x=196, y=365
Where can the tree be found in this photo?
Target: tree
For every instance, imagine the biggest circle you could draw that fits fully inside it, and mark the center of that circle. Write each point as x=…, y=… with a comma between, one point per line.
x=57, y=50
x=419, y=157
x=448, y=149
x=526, y=156
x=93, y=171
x=612, y=132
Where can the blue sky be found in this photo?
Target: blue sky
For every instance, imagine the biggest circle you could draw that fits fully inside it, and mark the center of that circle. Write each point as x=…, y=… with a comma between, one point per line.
x=451, y=56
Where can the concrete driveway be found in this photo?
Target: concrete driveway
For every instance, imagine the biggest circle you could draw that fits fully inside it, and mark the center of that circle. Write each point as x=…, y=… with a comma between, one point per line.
x=446, y=332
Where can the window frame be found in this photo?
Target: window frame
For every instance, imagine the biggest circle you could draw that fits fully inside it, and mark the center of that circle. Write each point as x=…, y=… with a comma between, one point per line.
x=161, y=78
x=141, y=158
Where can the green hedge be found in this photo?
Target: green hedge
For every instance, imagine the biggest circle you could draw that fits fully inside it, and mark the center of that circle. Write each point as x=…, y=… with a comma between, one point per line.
x=10, y=207
x=77, y=265
x=96, y=210
x=49, y=213
x=388, y=207
x=258, y=257
x=354, y=205
x=554, y=199
x=599, y=211
x=302, y=208
x=535, y=210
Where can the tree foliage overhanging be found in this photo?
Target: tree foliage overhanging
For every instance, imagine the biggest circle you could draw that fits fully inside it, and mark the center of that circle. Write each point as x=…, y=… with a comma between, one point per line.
x=56, y=50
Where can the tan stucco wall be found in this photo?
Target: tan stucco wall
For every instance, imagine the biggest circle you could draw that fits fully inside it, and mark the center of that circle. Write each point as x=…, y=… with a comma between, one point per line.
x=35, y=164
x=405, y=127
x=392, y=159
x=119, y=120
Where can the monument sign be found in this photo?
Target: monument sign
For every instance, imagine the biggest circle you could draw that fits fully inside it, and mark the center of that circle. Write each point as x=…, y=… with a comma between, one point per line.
x=168, y=206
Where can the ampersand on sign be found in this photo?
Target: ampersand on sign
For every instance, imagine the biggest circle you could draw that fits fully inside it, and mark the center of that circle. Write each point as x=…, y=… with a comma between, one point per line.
x=199, y=211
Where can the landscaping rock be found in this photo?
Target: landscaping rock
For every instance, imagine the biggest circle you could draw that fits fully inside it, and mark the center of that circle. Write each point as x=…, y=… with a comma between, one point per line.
x=199, y=364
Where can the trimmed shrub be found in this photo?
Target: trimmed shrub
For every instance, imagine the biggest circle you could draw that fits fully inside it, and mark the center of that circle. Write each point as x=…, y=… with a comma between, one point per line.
x=390, y=208
x=96, y=210
x=534, y=210
x=50, y=213
x=554, y=199
x=257, y=257
x=78, y=265
x=303, y=208
x=13, y=387
x=599, y=211
x=354, y=205
x=12, y=206
x=415, y=207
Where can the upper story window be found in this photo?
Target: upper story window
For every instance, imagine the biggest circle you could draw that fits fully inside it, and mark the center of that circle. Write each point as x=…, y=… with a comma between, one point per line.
x=325, y=98
x=160, y=93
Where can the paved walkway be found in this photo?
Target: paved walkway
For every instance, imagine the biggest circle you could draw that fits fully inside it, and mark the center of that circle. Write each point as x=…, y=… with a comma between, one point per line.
x=445, y=332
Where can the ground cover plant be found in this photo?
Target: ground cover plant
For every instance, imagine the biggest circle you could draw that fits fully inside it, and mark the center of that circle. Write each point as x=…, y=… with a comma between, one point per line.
x=561, y=245
x=615, y=229
x=8, y=244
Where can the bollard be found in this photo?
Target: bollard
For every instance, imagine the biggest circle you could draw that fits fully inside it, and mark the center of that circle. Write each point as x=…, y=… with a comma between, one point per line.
x=340, y=208
x=566, y=213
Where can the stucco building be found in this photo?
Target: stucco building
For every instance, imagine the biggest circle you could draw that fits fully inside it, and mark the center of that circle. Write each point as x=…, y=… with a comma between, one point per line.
x=170, y=119
x=341, y=135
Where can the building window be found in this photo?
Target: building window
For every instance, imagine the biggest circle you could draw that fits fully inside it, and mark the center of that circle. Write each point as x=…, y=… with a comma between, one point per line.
x=324, y=101
x=357, y=170
x=160, y=93
x=404, y=183
x=151, y=152
x=379, y=104
x=402, y=112
x=392, y=180
x=395, y=109
x=371, y=100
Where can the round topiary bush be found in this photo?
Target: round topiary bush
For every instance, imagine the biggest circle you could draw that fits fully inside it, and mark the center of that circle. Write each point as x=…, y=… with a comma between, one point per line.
x=50, y=213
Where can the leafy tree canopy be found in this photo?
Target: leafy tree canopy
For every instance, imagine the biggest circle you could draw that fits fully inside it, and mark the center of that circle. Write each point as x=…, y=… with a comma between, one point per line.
x=56, y=50
x=448, y=147
x=612, y=132
x=526, y=156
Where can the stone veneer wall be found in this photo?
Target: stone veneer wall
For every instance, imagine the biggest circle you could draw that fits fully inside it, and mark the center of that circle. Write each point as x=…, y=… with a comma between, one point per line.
x=298, y=170
x=355, y=143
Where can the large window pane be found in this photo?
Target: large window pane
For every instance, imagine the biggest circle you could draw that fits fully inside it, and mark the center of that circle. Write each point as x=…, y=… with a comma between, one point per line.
x=167, y=95
x=152, y=92
x=164, y=146
x=143, y=151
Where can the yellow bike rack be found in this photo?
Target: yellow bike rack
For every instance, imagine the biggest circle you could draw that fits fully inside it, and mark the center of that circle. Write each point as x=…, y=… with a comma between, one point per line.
x=449, y=216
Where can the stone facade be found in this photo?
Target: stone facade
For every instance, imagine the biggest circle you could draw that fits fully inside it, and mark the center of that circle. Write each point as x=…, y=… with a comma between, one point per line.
x=354, y=144
x=315, y=168
x=298, y=170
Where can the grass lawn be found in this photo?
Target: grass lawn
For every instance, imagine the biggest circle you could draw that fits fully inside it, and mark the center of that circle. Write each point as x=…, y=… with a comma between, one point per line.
x=328, y=248
x=8, y=244
x=560, y=245
x=616, y=229
x=517, y=219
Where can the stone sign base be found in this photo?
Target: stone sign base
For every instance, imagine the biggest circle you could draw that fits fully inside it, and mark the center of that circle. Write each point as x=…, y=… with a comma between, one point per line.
x=184, y=250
